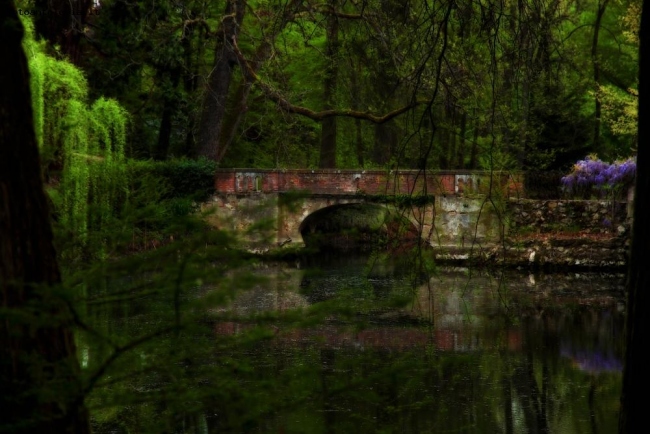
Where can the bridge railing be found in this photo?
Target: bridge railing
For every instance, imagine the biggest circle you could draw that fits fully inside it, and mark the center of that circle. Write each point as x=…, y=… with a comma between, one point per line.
x=372, y=182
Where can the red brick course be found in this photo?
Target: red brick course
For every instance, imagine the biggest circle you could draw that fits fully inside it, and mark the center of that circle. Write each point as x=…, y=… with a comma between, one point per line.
x=328, y=181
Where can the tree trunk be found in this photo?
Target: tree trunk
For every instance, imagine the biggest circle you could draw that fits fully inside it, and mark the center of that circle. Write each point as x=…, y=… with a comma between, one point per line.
x=633, y=413
x=473, y=159
x=328, y=125
x=216, y=96
x=594, y=57
x=190, y=77
x=355, y=73
x=452, y=138
x=169, y=108
x=223, y=110
x=359, y=143
x=235, y=114
x=461, y=144
x=63, y=23
x=443, y=159
x=39, y=372
x=385, y=142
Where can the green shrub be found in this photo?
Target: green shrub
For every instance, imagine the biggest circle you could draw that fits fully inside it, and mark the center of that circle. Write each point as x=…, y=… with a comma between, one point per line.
x=181, y=178
x=187, y=178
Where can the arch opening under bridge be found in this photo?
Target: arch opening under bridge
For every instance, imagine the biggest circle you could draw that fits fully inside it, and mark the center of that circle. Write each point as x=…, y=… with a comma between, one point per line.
x=359, y=225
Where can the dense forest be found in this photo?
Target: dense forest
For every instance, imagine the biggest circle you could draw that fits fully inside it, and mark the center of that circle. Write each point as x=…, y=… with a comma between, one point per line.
x=343, y=84
x=114, y=292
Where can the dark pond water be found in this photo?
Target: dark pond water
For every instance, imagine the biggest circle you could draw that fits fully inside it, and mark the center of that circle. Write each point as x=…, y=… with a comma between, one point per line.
x=353, y=344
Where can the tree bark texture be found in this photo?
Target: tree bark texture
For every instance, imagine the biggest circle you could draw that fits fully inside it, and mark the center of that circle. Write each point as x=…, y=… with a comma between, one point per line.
x=223, y=110
x=39, y=373
x=633, y=415
x=216, y=95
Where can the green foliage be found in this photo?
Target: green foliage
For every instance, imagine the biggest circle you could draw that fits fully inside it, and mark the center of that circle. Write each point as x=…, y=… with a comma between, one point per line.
x=521, y=75
x=164, y=193
x=184, y=177
x=620, y=112
x=496, y=158
x=82, y=144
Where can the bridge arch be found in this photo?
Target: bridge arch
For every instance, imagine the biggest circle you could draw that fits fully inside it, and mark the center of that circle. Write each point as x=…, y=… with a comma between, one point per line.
x=356, y=224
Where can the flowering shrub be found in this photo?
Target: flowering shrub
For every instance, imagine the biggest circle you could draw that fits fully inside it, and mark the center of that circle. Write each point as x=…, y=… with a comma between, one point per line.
x=592, y=175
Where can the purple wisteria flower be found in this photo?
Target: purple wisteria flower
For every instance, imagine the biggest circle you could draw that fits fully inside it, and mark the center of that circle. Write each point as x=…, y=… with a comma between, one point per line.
x=593, y=173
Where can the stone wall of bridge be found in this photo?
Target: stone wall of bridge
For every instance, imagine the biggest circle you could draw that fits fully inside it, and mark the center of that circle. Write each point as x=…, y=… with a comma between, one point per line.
x=447, y=221
x=456, y=214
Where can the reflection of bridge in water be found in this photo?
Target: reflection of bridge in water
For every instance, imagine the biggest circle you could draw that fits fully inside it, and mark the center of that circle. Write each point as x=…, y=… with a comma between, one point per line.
x=413, y=337
x=440, y=316
x=448, y=315
x=388, y=338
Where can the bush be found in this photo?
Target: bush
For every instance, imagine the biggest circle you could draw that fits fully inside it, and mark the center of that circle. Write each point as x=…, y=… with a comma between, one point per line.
x=162, y=191
x=188, y=178
x=181, y=178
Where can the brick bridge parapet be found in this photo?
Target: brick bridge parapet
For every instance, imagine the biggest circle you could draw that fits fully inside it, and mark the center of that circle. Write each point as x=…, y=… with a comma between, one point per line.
x=370, y=182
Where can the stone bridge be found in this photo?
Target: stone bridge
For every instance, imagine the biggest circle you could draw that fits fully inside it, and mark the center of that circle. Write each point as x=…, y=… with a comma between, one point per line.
x=447, y=207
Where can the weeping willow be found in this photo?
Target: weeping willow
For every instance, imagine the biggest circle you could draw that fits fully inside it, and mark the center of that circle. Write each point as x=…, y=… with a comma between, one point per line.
x=82, y=143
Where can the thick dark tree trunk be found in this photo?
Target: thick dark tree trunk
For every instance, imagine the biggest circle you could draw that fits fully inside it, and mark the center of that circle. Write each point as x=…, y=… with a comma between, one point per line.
x=223, y=109
x=39, y=373
x=235, y=114
x=633, y=414
x=216, y=95
x=329, y=125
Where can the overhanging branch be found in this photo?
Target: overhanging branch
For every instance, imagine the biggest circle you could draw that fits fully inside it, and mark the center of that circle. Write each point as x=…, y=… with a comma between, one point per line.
x=275, y=96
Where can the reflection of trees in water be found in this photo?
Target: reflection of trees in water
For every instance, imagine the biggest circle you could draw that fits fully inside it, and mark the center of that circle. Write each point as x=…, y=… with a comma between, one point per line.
x=474, y=369
x=484, y=357
x=395, y=384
